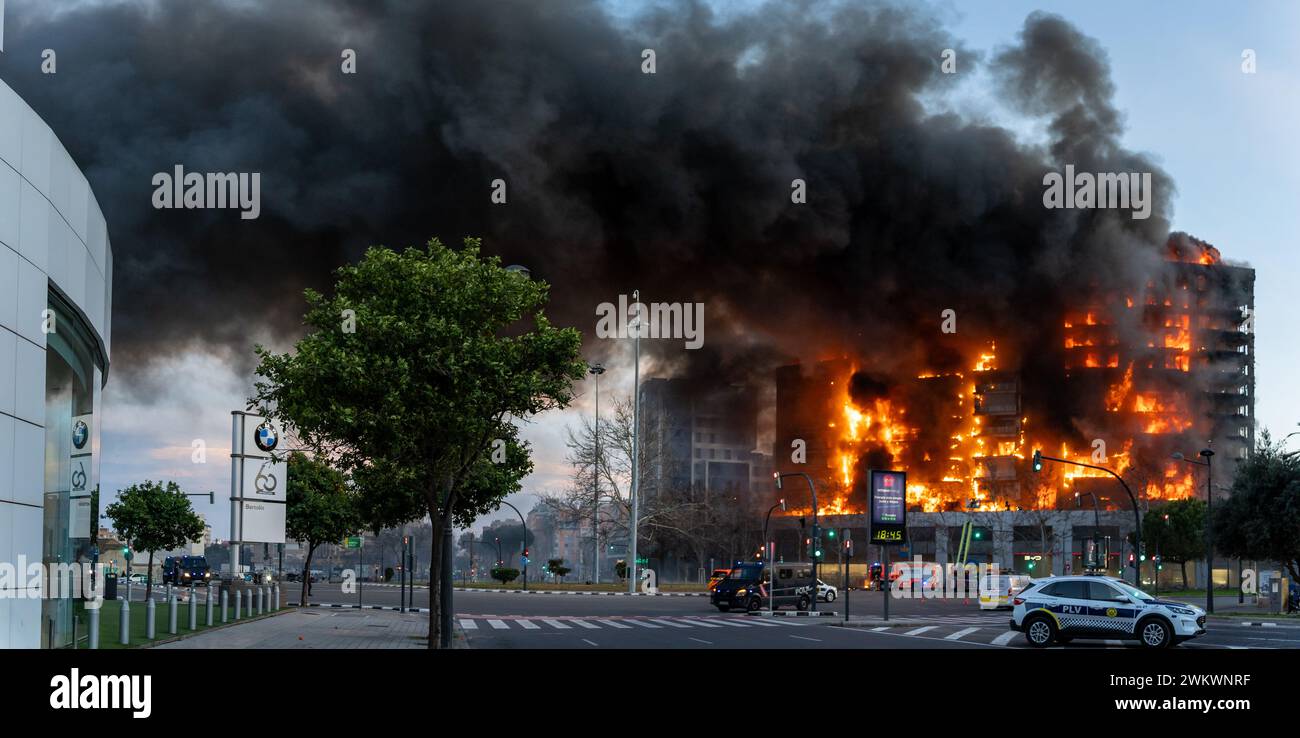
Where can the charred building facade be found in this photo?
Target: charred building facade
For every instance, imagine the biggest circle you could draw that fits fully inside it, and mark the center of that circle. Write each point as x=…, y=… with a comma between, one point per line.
x=1132, y=376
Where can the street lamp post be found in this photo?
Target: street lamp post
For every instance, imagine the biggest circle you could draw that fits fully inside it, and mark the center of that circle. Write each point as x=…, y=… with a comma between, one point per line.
x=1039, y=457
x=1207, y=454
x=812, y=488
x=523, y=558
x=596, y=370
x=635, y=491
x=771, y=554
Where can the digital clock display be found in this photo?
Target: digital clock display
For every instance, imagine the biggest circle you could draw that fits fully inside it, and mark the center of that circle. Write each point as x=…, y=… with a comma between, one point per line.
x=888, y=491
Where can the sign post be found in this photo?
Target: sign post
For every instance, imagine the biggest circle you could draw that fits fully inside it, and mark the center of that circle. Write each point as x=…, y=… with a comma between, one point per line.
x=258, y=478
x=888, y=505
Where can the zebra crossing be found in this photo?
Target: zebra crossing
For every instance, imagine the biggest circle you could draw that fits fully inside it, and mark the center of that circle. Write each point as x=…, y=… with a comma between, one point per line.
x=659, y=622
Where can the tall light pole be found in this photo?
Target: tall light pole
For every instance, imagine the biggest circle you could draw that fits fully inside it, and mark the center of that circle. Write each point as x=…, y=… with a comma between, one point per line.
x=1040, y=457
x=1207, y=454
x=636, y=435
x=596, y=370
x=771, y=554
x=523, y=558
x=816, y=532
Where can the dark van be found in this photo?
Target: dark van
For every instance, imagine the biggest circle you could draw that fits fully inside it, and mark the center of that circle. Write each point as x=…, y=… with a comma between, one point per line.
x=747, y=587
x=185, y=570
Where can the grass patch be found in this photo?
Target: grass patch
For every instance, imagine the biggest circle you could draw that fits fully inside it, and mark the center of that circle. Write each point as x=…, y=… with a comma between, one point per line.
x=110, y=612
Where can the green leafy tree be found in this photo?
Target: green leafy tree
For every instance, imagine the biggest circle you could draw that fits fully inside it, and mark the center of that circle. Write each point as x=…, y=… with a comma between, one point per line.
x=1261, y=519
x=1181, y=537
x=505, y=574
x=321, y=509
x=557, y=569
x=411, y=378
x=152, y=516
x=620, y=569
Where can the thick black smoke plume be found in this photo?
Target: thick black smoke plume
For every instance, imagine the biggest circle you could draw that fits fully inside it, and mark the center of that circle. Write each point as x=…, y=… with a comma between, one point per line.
x=677, y=183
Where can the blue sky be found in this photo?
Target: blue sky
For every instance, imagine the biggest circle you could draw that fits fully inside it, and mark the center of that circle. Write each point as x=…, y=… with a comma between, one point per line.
x=1226, y=138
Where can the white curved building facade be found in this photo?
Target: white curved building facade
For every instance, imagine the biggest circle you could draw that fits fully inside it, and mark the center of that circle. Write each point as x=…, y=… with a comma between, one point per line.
x=56, y=275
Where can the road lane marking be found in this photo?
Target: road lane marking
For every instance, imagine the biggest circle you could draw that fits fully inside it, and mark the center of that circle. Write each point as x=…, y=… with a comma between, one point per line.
x=701, y=640
x=529, y=625
x=1005, y=638
x=728, y=622
x=670, y=623
x=644, y=624
x=468, y=624
x=700, y=622
x=614, y=624
x=498, y=624
x=920, y=630
x=802, y=638
x=555, y=624
x=883, y=627
x=757, y=620
x=960, y=634
x=585, y=624
x=591, y=642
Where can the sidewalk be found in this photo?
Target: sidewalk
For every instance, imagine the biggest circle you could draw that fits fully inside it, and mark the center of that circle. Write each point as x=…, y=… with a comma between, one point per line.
x=322, y=629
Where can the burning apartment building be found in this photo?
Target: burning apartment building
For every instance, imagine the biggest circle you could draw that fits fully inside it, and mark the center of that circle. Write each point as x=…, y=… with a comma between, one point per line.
x=1128, y=379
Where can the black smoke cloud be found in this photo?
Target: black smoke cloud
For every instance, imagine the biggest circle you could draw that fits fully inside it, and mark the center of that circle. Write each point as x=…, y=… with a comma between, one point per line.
x=676, y=183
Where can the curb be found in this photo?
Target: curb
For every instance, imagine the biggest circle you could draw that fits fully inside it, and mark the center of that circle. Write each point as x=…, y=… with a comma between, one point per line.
x=576, y=592
x=358, y=607
x=794, y=614
x=1265, y=624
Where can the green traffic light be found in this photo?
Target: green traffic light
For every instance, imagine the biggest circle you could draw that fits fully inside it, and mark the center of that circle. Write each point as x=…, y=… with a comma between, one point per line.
x=831, y=533
x=1038, y=461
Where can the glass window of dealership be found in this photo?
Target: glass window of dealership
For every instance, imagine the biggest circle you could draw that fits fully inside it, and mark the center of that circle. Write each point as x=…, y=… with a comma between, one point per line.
x=56, y=268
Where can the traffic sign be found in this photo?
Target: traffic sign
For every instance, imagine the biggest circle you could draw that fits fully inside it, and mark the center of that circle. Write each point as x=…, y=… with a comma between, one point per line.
x=352, y=542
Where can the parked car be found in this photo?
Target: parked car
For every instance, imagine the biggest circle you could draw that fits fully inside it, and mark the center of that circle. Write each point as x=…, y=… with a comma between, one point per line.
x=825, y=592
x=997, y=592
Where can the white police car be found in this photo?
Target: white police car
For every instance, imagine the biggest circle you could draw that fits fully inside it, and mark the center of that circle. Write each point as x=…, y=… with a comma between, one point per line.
x=1060, y=609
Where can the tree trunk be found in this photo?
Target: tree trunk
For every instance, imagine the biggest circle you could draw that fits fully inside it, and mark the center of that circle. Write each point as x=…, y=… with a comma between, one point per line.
x=306, y=574
x=1183, y=566
x=435, y=580
x=148, y=579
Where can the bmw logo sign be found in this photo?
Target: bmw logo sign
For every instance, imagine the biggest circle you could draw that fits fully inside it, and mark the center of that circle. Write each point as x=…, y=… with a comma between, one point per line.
x=266, y=437
x=80, y=434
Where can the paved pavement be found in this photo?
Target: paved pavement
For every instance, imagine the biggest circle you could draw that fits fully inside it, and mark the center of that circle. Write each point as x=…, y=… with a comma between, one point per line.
x=342, y=629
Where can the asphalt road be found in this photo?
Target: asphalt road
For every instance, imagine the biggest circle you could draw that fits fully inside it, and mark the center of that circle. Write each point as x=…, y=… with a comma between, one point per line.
x=544, y=620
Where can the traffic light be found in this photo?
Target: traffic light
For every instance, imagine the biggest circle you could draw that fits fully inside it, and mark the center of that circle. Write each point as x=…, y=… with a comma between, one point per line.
x=1030, y=566
x=831, y=533
x=1038, y=460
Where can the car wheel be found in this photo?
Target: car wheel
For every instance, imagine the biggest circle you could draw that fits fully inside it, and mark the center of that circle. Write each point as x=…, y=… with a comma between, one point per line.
x=802, y=604
x=830, y=595
x=755, y=604
x=723, y=608
x=1155, y=633
x=1040, y=632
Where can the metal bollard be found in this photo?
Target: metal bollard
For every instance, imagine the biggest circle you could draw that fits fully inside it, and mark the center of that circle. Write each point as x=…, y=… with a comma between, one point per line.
x=225, y=605
x=94, y=627
x=259, y=601
x=124, y=624
x=209, y=605
x=275, y=597
x=171, y=615
x=149, y=618
x=239, y=602
x=194, y=610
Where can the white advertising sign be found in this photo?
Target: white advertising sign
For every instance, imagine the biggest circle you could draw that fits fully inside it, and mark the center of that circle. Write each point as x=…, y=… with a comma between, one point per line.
x=79, y=473
x=259, y=473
